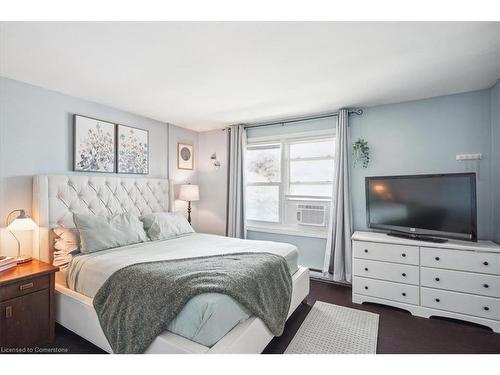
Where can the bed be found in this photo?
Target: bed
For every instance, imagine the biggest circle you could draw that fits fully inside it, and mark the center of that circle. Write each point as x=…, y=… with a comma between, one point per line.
x=57, y=197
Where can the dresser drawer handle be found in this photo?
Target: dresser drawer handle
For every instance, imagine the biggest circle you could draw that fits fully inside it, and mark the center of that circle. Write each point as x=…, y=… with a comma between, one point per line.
x=437, y=300
x=403, y=255
x=366, y=287
x=437, y=279
x=8, y=312
x=403, y=294
x=485, y=263
x=486, y=285
x=403, y=274
x=366, y=250
x=366, y=268
x=437, y=258
x=486, y=308
x=26, y=286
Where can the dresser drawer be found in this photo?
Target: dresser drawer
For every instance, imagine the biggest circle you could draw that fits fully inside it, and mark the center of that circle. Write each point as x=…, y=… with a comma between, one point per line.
x=21, y=288
x=386, y=271
x=485, y=307
x=460, y=260
x=386, y=252
x=475, y=283
x=387, y=290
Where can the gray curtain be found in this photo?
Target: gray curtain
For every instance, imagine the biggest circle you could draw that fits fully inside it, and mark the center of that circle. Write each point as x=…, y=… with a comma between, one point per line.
x=235, y=222
x=338, y=259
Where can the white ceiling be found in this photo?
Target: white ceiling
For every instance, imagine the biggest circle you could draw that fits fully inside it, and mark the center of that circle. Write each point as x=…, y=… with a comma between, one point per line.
x=207, y=75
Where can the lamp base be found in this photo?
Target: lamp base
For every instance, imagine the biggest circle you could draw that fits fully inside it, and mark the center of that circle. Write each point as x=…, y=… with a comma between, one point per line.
x=23, y=259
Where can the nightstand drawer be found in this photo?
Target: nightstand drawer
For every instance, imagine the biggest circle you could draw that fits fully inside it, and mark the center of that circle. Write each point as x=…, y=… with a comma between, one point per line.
x=26, y=286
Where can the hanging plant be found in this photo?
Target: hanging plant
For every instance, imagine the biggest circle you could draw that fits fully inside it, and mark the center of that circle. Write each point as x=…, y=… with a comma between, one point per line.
x=361, y=152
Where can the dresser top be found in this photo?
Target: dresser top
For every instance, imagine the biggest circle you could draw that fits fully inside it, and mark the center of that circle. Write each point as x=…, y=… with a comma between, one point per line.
x=483, y=246
x=26, y=270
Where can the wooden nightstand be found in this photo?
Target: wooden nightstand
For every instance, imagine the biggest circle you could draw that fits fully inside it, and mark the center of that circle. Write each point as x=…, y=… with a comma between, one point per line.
x=27, y=305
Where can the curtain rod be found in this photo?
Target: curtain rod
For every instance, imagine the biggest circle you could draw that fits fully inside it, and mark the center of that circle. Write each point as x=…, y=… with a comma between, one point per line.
x=358, y=112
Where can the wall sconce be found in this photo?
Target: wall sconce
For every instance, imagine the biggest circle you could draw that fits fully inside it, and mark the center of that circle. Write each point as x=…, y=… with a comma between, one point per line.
x=215, y=162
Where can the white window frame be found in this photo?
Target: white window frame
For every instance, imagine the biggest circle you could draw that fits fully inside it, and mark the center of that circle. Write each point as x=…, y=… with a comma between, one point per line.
x=279, y=184
x=284, y=186
x=289, y=161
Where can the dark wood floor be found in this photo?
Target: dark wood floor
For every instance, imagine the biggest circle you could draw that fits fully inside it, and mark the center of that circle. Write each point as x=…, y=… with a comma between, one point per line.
x=399, y=332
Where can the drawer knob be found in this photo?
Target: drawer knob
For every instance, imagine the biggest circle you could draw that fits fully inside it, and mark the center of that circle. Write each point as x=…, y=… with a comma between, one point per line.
x=437, y=279
x=366, y=250
x=366, y=287
x=437, y=258
x=403, y=274
x=366, y=268
x=437, y=300
x=403, y=294
x=485, y=263
x=486, y=308
x=403, y=255
x=486, y=285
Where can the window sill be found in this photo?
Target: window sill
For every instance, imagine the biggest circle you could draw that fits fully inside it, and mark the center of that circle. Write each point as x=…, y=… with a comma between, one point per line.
x=291, y=231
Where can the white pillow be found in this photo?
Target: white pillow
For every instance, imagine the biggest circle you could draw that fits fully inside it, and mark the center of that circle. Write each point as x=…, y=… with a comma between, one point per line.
x=165, y=225
x=66, y=245
x=101, y=233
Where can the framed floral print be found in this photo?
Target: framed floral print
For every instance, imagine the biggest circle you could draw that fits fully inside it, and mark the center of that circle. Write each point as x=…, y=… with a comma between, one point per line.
x=93, y=145
x=184, y=156
x=133, y=150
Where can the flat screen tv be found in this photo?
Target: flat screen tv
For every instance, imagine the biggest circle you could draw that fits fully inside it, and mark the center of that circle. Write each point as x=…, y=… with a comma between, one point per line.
x=423, y=206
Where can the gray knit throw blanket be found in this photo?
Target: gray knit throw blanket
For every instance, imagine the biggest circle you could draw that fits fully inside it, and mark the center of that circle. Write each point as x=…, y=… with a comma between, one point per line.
x=138, y=302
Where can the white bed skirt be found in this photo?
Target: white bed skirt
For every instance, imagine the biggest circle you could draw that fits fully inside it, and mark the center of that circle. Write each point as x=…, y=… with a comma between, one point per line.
x=76, y=312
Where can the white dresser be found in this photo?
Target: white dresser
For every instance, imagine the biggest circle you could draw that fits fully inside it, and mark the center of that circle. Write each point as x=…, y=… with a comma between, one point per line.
x=456, y=279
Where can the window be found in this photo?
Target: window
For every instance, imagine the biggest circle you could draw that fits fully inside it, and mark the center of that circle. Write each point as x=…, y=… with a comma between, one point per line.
x=311, y=168
x=281, y=174
x=263, y=179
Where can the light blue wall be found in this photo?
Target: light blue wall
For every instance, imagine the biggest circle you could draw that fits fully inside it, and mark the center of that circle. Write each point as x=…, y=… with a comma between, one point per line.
x=420, y=137
x=495, y=165
x=36, y=130
x=311, y=250
x=423, y=137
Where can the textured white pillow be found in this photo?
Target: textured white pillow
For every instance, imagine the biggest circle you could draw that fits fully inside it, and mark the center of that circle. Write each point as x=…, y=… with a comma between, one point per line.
x=100, y=233
x=165, y=225
x=66, y=245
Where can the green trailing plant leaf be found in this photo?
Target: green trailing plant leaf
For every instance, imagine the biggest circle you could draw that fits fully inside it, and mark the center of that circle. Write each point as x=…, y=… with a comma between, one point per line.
x=361, y=152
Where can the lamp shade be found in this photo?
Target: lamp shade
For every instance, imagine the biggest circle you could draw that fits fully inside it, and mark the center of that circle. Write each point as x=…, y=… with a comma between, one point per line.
x=22, y=223
x=189, y=193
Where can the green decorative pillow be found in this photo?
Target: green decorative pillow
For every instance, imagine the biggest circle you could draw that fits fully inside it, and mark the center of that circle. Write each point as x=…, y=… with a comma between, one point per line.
x=100, y=233
x=165, y=225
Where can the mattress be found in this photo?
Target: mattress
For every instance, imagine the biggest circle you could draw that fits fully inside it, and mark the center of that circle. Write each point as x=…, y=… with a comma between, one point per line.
x=206, y=318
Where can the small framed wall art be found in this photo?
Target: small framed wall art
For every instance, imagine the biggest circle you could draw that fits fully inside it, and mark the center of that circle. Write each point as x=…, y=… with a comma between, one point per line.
x=133, y=150
x=185, y=156
x=93, y=145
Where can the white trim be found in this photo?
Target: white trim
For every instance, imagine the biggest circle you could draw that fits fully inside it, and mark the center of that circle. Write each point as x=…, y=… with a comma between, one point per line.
x=288, y=230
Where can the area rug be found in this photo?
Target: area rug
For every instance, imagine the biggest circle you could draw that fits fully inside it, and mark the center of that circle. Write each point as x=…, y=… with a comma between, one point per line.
x=333, y=329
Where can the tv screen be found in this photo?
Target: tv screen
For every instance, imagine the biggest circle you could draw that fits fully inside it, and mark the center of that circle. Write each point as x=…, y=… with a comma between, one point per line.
x=443, y=205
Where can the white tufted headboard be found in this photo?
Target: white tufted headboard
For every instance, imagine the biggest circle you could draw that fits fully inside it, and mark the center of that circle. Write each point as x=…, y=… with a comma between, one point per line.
x=57, y=197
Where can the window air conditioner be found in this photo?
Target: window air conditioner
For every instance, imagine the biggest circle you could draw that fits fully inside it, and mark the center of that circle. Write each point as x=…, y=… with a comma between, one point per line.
x=308, y=214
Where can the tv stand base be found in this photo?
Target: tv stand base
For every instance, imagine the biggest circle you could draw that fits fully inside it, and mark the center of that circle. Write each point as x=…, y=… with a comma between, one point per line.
x=416, y=237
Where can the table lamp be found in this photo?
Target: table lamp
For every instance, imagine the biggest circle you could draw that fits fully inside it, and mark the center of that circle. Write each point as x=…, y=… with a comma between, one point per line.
x=189, y=193
x=21, y=223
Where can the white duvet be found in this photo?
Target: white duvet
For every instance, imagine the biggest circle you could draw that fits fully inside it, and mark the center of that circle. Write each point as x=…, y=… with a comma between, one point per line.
x=205, y=318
